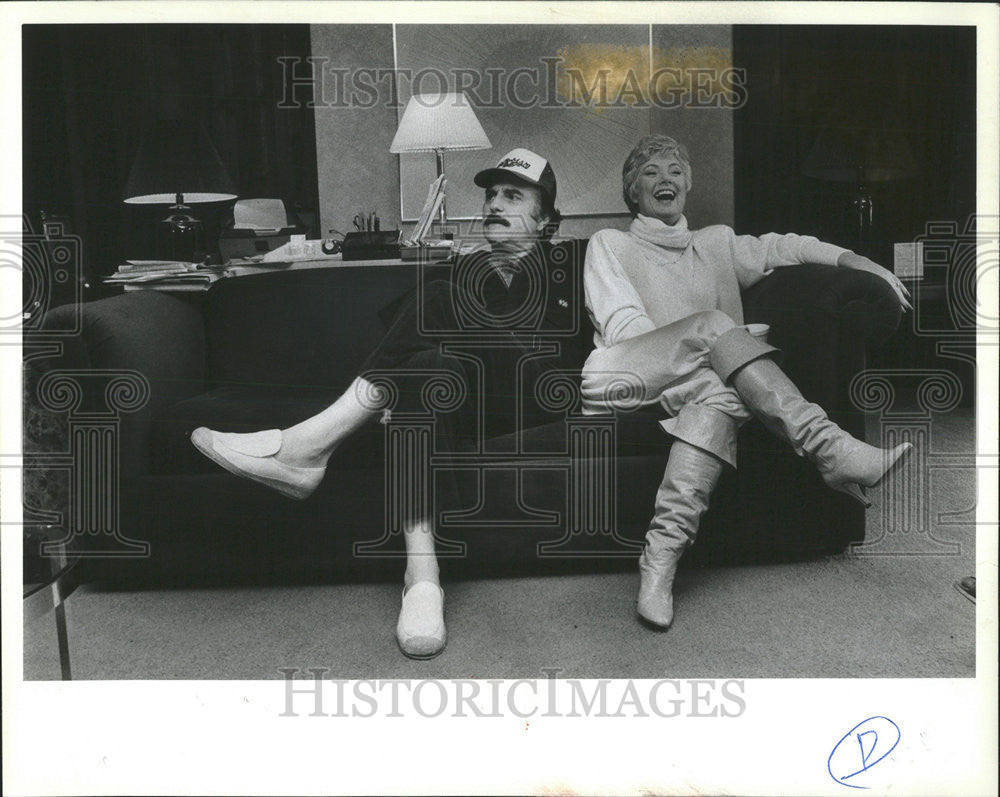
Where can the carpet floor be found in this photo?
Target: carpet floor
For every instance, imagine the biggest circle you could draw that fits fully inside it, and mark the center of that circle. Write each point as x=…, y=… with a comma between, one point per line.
x=875, y=612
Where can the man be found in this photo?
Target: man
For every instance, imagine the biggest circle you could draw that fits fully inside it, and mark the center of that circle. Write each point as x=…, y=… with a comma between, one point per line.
x=519, y=295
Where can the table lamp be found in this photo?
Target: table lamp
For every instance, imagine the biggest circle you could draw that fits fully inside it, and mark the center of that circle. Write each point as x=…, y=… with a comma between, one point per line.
x=859, y=156
x=439, y=122
x=178, y=165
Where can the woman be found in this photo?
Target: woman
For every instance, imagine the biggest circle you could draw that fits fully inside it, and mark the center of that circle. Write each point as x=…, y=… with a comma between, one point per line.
x=665, y=304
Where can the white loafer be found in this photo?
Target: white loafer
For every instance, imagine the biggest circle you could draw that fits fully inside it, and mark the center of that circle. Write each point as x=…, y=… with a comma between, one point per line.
x=252, y=456
x=420, y=631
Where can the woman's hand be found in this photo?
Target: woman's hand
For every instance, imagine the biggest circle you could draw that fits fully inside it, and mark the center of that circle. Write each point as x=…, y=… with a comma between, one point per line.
x=861, y=263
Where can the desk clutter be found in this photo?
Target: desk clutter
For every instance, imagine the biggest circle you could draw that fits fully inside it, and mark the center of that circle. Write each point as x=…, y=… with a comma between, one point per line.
x=259, y=226
x=264, y=236
x=367, y=222
x=420, y=245
x=180, y=276
x=371, y=245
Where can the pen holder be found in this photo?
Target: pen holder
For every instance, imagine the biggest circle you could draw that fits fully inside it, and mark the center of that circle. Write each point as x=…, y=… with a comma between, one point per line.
x=375, y=245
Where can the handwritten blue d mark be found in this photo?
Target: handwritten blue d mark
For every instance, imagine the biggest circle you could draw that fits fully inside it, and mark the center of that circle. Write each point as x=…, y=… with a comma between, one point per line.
x=866, y=744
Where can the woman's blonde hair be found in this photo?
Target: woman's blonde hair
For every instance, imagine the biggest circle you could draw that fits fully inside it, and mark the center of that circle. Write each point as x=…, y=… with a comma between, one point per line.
x=647, y=148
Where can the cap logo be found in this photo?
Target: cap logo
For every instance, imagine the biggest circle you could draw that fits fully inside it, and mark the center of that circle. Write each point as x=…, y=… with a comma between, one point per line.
x=508, y=162
x=522, y=164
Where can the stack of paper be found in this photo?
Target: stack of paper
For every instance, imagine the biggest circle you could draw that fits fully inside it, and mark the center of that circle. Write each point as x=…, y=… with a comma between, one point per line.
x=136, y=267
x=134, y=272
x=435, y=196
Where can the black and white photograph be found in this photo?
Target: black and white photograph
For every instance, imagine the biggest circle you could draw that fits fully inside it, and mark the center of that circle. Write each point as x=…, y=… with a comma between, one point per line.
x=555, y=377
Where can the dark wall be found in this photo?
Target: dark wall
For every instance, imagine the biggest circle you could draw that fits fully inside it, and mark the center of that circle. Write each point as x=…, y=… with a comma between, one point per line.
x=910, y=87
x=91, y=91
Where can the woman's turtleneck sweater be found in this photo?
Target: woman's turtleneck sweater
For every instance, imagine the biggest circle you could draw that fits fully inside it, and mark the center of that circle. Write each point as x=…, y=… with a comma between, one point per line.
x=655, y=274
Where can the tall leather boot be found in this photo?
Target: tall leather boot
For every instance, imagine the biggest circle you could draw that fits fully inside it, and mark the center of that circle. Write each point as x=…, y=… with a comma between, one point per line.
x=845, y=463
x=690, y=476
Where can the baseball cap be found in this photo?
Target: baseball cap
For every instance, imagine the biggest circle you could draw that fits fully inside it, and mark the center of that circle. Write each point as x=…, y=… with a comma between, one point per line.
x=526, y=166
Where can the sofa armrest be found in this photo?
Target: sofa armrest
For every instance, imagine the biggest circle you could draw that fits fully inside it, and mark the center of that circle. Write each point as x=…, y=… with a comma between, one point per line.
x=824, y=319
x=791, y=298
x=158, y=335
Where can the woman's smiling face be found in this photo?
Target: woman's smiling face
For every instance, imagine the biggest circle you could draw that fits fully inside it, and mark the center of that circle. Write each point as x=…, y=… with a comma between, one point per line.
x=660, y=189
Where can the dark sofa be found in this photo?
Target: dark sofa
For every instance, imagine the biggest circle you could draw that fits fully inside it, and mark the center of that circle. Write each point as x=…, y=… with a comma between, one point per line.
x=270, y=349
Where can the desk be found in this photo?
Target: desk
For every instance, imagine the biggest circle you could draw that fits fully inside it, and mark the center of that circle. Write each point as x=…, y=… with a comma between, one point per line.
x=247, y=269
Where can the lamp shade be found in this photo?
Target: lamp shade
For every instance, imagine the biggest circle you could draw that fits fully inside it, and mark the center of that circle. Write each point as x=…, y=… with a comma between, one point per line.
x=178, y=157
x=439, y=122
x=848, y=155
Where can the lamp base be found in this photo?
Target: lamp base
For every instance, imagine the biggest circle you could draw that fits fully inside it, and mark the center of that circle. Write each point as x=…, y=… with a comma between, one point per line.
x=181, y=236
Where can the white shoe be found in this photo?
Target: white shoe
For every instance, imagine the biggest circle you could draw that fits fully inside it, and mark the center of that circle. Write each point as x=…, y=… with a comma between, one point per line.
x=252, y=456
x=420, y=631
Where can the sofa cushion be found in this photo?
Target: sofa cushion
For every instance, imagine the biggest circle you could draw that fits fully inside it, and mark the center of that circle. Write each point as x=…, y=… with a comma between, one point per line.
x=747, y=519
x=308, y=328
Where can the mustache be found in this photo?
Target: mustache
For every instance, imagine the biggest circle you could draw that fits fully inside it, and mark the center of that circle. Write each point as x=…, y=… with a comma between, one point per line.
x=494, y=219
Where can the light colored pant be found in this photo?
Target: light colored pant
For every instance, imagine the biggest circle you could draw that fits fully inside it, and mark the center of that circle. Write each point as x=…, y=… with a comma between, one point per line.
x=671, y=366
